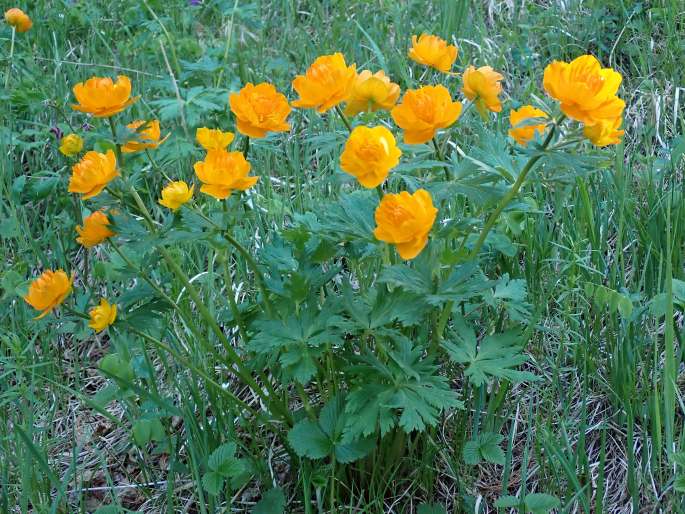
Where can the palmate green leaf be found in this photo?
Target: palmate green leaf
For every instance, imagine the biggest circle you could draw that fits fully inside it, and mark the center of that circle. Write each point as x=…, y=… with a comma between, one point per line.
x=484, y=448
x=298, y=340
x=309, y=440
x=317, y=440
x=541, y=503
x=351, y=218
x=272, y=502
x=431, y=508
x=510, y=295
x=406, y=391
x=496, y=356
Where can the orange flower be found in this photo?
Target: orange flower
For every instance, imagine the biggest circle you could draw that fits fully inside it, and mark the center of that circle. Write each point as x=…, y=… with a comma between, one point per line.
x=18, y=19
x=213, y=139
x=433, y=51
x=103, y=98
x=605, y=132
x=327, y=82
x=221, y=172
x=523, y=131
x=587, y=91
x=92, y=173
x=176, y=194
x=148, y=136
x=405, y=220
x=370, y=153
x=424, y=111
x=102, y=316
x=48, y=291
x=260, y=109
x=372, y=93
x=95, y=230
x=483, y=87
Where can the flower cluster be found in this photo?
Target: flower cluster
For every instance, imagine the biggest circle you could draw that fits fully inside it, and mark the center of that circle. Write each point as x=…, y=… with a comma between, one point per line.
x=587, y=93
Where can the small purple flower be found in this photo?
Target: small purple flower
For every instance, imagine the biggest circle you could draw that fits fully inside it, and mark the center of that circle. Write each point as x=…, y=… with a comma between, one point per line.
x=86, y=126
x=57, y=132
x=194, y=3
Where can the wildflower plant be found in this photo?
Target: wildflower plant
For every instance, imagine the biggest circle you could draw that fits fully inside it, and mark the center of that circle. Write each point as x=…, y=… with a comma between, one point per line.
x=356, y=311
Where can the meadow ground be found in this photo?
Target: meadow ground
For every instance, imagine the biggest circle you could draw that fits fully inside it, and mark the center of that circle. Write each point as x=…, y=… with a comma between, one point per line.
x=150, y=416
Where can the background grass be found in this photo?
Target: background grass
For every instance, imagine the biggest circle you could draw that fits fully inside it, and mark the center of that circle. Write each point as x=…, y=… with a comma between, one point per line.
x=595, y=429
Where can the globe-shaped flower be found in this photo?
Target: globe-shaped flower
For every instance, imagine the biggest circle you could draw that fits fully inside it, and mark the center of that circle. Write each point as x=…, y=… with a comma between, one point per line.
x=213, y=139
x=95, y=230
x=369, y=154
x=176, y=194
x=18, y=19
x=327, y=82
x=372, y=92
x=586, y=91
x=147, y=133
x=433, y=51
x=48, y=291
x=71, y=145
x=404, y=220
x=102, y=97
x=424, y=111
x=482, y=86
x=102, y=316
x=92, y=173
x=223, y=172
x=260, y=109
x=605, y=132
x=523, y=130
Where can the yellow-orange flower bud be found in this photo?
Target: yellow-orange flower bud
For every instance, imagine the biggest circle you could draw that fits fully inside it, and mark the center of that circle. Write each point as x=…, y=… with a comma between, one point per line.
x=102, y=97
x=372, y=92
x=369, y=154
x=222, y=172
x=213, y=139
x=405, y=220
x=147, y=137
x=327, y=82
x=48, y=291
x=176, y=194
x=586, y=91
x=605, y=132
x=482, y=86
x=95, y=230
x=92, y=173
x=260, y=109
x=521, y=129
x=102, y=316
x=424, y=111
x=71, y=145
x=433, y=51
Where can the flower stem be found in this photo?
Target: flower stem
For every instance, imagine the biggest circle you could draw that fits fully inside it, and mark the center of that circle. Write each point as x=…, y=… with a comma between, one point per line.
x=511, y=194
x=439, y=156
x=343, y=118
x=246, y=146
x=9, y=63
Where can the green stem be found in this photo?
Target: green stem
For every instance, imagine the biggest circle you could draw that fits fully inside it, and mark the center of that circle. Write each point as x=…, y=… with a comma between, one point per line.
x=511, y=194
x=231, y=298
x=9, y=64
x=246, y=146
x=439, y=156
x=259, y=278
x=343, y=118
